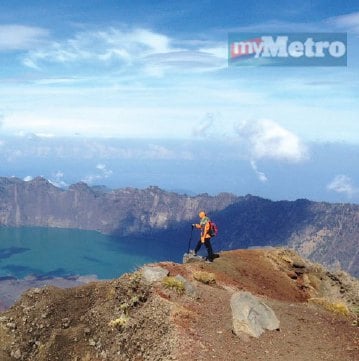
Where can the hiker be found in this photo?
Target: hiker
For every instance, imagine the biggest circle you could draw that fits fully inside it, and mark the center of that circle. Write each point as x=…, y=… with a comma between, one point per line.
x=204, y=225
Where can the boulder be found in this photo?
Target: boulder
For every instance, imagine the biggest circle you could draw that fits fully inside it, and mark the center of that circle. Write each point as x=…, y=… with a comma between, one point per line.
x=189, y=258
x=251, y=316
x=190, y=289
x=154, y=274
x=298, y=263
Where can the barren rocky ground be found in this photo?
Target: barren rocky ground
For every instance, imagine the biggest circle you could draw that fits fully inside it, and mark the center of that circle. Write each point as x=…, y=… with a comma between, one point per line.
x=131, y=319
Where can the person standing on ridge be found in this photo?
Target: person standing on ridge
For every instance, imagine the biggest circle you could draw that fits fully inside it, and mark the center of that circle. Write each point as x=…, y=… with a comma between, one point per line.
x=205, y=226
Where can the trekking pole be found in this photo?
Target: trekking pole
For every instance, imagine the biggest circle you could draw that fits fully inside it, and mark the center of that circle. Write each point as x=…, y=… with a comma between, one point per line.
x=190, y=239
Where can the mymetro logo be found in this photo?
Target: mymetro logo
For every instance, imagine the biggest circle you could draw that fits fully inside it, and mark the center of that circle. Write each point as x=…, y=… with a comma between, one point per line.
x=292, y=49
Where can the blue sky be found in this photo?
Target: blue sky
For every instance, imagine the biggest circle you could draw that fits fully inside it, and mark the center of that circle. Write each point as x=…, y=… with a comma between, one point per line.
x=91, y=72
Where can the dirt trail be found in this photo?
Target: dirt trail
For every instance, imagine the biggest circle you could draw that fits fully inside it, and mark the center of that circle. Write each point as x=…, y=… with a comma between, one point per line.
x=307, y=331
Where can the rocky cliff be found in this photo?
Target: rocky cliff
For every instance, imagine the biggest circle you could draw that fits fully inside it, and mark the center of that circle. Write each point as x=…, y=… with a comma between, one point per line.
x=326, y=233
x=124, y=211
x=185, y=312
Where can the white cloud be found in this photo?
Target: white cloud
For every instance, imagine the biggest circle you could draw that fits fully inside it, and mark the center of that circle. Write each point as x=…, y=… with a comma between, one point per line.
x=106, y=103
x=218, y=50
x=106, y=150
x=184, y=60
x=58, y=180
x=349, y=22
x=261, y=175
x=1, y=124
x=204, y=126
x=151, y=52
x=44, y=135
x=156, y=151
x=91, y=178
x=105, y=172
x=28, y=178
x=102, y=173
x=20, y=37
x=57, y=81
x=101, y=166
x=343, y=184
x=128, y=120
x=30, y=63
x=104, y=46
x=267, y=139
x=156, y=42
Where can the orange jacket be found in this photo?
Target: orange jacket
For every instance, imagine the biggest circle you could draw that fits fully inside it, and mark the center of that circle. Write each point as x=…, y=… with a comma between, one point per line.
x=205, y=226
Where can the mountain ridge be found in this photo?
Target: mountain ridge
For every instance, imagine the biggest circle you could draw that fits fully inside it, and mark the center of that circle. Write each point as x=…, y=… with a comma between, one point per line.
x=324, y=232
x=183, y=317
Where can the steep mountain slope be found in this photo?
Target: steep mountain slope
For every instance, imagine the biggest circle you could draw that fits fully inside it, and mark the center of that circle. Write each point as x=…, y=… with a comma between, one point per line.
x=124, y=211
x=131, y=319
x=326, y=233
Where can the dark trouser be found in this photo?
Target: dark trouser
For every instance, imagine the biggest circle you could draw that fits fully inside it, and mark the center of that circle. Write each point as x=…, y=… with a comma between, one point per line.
x=208, y=245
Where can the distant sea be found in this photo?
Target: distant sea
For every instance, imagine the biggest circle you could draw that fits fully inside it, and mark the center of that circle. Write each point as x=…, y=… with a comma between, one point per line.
x=45, y=253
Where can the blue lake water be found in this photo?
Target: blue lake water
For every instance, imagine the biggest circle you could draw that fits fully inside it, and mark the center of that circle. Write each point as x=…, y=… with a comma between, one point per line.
x=54, y=252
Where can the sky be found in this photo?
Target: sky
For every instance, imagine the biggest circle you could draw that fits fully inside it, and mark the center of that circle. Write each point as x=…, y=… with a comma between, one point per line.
x=139, y=93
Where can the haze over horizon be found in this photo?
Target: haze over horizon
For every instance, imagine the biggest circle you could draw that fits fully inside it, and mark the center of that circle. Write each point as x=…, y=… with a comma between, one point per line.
x=138, y=94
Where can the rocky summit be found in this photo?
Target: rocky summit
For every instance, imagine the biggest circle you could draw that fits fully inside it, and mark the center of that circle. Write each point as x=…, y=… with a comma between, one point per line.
x=264, y=304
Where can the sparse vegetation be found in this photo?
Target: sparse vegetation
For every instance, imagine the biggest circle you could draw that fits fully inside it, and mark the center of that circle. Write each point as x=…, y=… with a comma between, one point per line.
x=126, y=306
x=129, y=319
x=134, y=301
x=204, y=277
x=135, y=280
x=336, y=307
x=120, y=322
x=174, y=284
x=131, y=291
